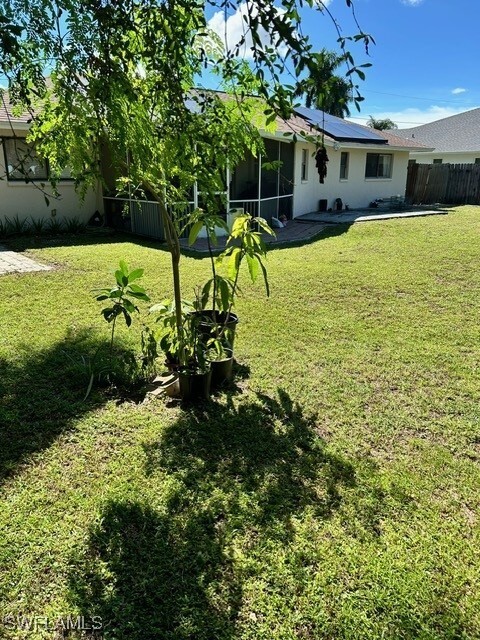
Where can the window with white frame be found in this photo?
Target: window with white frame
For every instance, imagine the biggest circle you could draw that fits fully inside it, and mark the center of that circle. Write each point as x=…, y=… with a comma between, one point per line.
x=379, y=165
x=304, y=171
x=344, y=162
x=24, y=165
x=437, y=161
x=21, y=161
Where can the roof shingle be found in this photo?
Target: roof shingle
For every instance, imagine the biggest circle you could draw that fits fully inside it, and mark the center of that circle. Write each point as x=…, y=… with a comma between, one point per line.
x=453, y=134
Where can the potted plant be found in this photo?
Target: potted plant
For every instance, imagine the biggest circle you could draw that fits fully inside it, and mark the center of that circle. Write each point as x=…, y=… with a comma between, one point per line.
x=217, y=296
x=188, y=355
x=221, y=358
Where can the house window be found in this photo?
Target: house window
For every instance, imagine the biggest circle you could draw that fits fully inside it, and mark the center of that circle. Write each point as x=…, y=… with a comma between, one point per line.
x=344, y=158
x=21, y=161
x=477, y=160
x=437, y=161
x=23, y=164
x=304, y=171
x=379, y=165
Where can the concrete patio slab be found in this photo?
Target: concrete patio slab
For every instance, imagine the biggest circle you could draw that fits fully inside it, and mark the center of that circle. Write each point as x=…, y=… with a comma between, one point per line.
x=12, y=262
x=350, y=217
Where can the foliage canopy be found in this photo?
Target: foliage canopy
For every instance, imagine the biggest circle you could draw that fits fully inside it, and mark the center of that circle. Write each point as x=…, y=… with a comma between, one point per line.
x=120, y=91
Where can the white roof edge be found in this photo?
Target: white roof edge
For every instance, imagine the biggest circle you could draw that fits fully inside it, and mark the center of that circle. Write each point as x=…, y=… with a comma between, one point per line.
x=343, y=145
x=16, y=126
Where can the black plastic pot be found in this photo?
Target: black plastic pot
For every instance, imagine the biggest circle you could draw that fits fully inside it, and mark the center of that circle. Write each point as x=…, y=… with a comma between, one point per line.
x=195, y=386
x=222, y=370
x=211, y=324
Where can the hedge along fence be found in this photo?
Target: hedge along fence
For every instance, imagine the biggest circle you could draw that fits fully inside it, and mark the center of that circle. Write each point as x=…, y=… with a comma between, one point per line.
x=445, y=183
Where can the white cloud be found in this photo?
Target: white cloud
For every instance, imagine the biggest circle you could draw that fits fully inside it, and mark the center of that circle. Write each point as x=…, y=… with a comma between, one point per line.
x=412, y=3
x=458, y=90
x=408, y=118
x=236, y=28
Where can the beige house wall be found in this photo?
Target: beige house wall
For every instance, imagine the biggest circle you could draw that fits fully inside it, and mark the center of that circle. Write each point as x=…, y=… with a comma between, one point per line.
x=356, y=191
x=27, y=201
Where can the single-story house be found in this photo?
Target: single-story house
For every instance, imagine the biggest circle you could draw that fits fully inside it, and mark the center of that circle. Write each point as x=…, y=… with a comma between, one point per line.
x=455, y=139
x=27, y=199
x=363, y=165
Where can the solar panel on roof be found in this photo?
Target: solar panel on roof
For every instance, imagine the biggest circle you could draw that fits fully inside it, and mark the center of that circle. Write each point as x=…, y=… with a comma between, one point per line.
x=337, y=128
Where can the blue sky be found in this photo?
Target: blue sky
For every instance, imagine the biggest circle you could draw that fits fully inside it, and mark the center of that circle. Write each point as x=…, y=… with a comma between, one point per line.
x=427, y=53
x=425, y=61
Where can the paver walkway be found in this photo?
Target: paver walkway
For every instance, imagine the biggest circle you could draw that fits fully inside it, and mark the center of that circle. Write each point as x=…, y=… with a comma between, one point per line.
x=294, y=232
x=11, y=262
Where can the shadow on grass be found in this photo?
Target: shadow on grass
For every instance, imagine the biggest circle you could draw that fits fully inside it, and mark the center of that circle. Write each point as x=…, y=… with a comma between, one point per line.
x=236, y=475
x=329, y=231
x=113, y=236
x=42, y=395
x=324, y=231
x=104, y=235
x=150, y=575
x=266, y=448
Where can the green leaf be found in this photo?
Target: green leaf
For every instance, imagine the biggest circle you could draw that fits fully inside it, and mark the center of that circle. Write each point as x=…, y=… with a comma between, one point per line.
x=234, y=263
x=136, y=274
x=137, y=288
x=123, y=267
x=264, y=226
x=127, y=316
x=265, y=276
x=139, y=296
x=129, y=306
x=194, y=231
x=205, y=293
x=252, y=262
x=238, y=226
x=224, y=291
x=109, y=313
x=119, y=278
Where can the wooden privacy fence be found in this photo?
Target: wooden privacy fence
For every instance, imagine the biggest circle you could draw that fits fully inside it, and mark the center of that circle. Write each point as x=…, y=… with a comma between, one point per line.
x=445, y=183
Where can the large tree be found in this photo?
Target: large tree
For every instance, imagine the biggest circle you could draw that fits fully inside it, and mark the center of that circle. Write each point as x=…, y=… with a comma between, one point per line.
x=381, y=124
x=324, y=89
x=121, y=86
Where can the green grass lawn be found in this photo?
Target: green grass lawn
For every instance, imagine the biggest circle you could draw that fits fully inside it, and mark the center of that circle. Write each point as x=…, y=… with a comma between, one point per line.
x=334, y=492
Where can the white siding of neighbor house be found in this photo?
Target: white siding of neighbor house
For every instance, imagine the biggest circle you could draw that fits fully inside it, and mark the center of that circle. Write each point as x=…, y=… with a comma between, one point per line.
x=453, y=158
x=357, y=191
x=27, y=202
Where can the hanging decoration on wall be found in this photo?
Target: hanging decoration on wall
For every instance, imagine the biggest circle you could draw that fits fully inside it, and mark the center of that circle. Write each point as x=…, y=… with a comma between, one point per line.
x=321, y=160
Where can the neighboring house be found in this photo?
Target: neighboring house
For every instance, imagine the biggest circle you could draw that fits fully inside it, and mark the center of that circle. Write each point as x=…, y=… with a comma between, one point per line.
x=27, y=199
x=455, y=139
